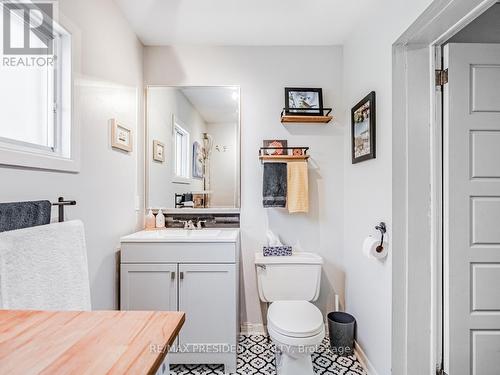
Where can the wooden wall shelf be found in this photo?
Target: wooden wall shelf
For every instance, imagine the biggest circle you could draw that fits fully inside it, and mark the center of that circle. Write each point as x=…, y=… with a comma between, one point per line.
x=283, y=157
x=287, y=119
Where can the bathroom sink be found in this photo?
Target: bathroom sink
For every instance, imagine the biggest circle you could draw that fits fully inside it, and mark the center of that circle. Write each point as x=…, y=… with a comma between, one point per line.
x=160, y=234
x=183, y=235
x=172, y=232
x=205, y=233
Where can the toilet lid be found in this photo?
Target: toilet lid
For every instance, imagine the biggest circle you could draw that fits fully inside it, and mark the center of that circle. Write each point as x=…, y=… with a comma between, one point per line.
x=295, y=318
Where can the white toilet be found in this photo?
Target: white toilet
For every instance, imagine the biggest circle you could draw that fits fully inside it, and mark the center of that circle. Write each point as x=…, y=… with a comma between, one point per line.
x=294, y=324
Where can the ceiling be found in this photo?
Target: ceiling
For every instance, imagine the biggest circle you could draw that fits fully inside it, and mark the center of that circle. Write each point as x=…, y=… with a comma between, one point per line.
x=239, y=22
x=214, y=104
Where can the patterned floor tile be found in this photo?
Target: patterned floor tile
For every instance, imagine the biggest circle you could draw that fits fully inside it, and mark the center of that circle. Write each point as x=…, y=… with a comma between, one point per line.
x=256, y=357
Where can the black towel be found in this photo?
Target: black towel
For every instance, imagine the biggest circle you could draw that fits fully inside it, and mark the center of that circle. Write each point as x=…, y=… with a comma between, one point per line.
x=18, y=215
x=274, y=185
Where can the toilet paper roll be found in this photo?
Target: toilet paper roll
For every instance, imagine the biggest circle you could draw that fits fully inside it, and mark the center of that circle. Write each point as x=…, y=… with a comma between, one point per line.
x=371, y=248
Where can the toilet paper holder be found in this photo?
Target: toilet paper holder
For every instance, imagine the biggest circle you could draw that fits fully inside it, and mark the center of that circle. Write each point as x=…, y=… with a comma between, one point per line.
x=383, y=229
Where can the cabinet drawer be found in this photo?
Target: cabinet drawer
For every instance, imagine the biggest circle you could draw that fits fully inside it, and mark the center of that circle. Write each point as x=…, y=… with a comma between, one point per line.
x=172, y=252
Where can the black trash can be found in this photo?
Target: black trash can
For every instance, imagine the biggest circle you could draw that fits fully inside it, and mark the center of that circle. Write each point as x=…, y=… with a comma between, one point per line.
x=342, y=330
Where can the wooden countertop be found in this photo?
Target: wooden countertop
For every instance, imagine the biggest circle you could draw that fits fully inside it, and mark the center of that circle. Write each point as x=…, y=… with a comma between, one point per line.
x=90, y=342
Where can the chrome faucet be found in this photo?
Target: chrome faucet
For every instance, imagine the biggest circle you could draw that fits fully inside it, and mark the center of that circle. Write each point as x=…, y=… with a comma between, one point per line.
x=188, y=224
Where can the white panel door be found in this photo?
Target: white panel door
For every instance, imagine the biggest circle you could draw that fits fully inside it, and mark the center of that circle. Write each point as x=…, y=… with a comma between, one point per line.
x=148, y=287
x=472, y=209
x=207, y=294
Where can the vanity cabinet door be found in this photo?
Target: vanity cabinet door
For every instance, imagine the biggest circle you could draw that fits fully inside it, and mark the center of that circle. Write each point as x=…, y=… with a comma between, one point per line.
x=148, y=287
x=207, y=294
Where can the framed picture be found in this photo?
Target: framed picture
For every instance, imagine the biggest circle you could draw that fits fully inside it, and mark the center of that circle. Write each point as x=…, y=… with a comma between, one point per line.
x=279, y=143
x=121, y=136
x=303, y=101
x=363, y=117
x=197, y=160
x=198, y=200
x=158, y=151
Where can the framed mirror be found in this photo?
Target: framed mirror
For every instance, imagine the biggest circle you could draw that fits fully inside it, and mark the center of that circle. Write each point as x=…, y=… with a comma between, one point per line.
x=192, y=147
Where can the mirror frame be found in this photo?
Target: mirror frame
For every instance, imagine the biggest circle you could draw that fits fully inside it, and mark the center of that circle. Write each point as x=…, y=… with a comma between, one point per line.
x=148, y=152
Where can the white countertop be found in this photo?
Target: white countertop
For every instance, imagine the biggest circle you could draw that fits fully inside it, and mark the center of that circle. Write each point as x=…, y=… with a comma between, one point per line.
x=183, y=235
x=196, y=211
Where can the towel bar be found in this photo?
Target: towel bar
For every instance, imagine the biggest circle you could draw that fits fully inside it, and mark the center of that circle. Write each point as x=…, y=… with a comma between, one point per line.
x=61, y=203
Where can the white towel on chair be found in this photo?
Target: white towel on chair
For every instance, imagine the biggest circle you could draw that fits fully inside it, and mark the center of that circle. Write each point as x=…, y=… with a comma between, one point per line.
x=44, y=268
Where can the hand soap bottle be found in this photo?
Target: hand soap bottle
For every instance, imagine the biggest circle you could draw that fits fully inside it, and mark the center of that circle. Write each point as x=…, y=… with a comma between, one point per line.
x=150, y=220
x=160, y=219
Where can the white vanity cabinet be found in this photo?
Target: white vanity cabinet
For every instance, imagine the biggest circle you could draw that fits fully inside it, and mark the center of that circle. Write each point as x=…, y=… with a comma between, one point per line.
x=195, y=275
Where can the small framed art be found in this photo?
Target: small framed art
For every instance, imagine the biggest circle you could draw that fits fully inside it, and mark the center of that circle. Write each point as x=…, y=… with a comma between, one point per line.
x=275, y=147
x=198, y=160
x=303, y=101
x=121, y=136
x=363, y=130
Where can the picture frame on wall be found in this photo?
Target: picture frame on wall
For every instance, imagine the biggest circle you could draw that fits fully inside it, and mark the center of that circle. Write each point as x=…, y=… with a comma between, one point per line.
x=363, y=129
x=275, y=147
x=303, y=101
x=121, y=136
x=198, y=200
x=198, y=160
x=158, y=151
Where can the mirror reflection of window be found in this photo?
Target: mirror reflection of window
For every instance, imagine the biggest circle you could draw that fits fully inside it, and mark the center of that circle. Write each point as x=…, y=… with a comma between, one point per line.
x=181, y=142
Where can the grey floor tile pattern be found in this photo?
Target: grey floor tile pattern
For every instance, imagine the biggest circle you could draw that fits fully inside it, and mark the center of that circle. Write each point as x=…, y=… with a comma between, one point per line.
x=256, y=357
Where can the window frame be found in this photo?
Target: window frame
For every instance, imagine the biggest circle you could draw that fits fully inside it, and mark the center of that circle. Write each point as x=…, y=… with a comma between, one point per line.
x=64, y=155
x=179, y=128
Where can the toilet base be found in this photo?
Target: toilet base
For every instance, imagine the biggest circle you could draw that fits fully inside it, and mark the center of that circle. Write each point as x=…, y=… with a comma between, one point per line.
x=287, y=364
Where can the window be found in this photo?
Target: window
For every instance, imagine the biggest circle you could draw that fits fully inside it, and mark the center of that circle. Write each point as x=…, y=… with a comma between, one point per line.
x=181, y=153
x=35, y=101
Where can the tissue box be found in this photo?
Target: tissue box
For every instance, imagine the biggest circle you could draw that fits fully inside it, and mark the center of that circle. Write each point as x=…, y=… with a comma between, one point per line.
x=277, y=251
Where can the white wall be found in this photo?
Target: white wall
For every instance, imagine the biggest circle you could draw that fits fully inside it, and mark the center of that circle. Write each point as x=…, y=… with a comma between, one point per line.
x=262, y=73
x=368, y=185
x=224, y=164
x=108, y=72
x=163, y=104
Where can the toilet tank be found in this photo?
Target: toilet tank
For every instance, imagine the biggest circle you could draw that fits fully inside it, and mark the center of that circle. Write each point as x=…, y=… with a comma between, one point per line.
x=288, y=278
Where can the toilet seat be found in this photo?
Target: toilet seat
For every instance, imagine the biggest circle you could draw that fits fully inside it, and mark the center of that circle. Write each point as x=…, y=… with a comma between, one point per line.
x=295, y=320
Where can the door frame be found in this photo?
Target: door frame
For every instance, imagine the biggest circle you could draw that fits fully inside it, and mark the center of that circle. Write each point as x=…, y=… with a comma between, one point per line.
x=416, y=201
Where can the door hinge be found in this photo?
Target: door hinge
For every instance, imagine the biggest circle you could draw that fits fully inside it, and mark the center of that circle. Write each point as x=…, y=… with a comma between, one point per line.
x=441, y=77
x=440, y=371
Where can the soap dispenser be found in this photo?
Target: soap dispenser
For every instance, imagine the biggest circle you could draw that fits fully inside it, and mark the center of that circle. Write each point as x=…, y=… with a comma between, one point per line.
x=150, y=220
x=160, y=219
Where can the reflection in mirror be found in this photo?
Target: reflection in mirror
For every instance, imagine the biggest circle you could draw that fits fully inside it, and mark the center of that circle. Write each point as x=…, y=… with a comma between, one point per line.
x=193, y=147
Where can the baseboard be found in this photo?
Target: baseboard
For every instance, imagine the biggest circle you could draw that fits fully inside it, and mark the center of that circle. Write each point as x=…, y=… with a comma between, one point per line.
x=363, y=359
x=252, y=329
